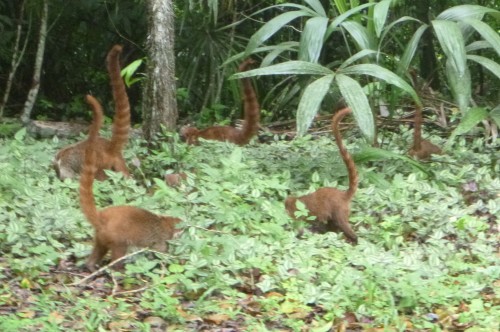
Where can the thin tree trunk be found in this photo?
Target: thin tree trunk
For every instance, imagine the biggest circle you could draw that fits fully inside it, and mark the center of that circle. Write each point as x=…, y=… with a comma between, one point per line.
x=17, y=56
x=159, y=98
x=428, y=60
x=32, y=94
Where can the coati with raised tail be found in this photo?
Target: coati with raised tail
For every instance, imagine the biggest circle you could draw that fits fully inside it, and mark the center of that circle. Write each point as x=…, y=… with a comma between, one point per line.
x=422, y=148
x=117, y=227
x=331, y=205
x=69, y=160
x=227, y=133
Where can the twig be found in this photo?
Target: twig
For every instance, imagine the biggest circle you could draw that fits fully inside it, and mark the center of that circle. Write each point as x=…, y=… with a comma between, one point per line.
x=93, y=274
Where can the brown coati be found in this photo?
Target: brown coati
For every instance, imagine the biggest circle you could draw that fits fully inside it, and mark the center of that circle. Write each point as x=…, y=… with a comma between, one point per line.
x=69, y=160
x=331, y=205
x=117, y=227
x=227, y=133
x=422, y=148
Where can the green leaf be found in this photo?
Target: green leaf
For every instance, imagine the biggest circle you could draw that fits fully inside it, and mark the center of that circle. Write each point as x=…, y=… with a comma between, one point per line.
x=383, y=74
x=311, y=41
x=489, y=64
x=460, y=85
x=271, y=27
x=361, y=54
x=341, y=18
x=469, y=121
x=452, y=42
x=311, y=101
x=411, y=49
x=369, y=153
x=487, y=32
x=360, y=35
x=465, y=11
x=317, y=6
x=286, y=68
x=495, y=115
x=381, y=10
x=358, y=102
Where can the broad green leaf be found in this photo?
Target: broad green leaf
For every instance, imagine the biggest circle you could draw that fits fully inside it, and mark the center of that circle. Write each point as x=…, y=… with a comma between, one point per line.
x=311, y=39
x=341, y=18
x=361, y=54
x=285, y=46
x=465, y=11
x=317, y=6
x=477, y=45
x=469, y=121
x=495, y=115
x=489, y=64
x=411, y=49
x=369, y=153
x=311, y=101
x=286, y=68
x=271, y=27
x=360, y=35
x=460, y=85
x=383, y=74
x=452, y=42
x=358, y=102
x=486, y=32
x=380, y=15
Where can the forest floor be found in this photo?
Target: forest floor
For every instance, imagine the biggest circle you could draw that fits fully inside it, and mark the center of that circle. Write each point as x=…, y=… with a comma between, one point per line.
x=427, y=258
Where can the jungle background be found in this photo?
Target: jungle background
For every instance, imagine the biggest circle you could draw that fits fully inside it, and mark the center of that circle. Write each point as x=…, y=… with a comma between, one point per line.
x=428, y=254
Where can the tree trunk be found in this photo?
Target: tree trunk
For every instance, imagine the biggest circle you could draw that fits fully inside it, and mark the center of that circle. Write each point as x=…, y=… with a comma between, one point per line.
x=428, y=61
x=17, y=56
x=159, y=98
x=30, y=100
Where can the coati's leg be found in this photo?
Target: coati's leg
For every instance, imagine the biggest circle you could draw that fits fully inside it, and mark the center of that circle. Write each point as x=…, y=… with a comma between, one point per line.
x=120, y=166
x=116, y=253
x=96, y=256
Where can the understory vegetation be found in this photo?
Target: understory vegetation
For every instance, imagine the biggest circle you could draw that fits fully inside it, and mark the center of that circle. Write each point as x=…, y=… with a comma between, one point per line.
x=427, y=257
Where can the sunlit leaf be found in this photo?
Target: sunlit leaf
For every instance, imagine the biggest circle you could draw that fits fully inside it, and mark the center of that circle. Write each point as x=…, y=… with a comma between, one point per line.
x=383, y=74
x=341, y=18
x=465, y=11
x=287, y=68
x=360, y=55
x=460, y=85
x=311, y=40
x=486, y=32
x=489, y=64
x=358, y=102
x=360, y=35
x=452, y=42
x=411, y=49
x=311, y=101
x=317, y=6
x=271, y=27
x=381, y=10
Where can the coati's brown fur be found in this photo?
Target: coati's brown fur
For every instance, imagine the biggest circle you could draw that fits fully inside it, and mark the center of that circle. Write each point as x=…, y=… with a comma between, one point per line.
x=422, y=148
x=117, y=227
x=175, y=179
x=331, y=205
x=227, y=133
x=69, y=160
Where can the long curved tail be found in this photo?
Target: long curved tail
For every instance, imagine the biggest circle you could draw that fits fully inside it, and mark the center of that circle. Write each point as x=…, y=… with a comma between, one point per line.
x=121, y=120
x=87, y=201
x=349, y=163
x=250, y=105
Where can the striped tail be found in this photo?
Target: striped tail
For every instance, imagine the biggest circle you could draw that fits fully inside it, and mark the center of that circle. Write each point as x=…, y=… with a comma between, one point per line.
x=349, y=163
x=87, y=201
x=250, y=105
x=121, y=120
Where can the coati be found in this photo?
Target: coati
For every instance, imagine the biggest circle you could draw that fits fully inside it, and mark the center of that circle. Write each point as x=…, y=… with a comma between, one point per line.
x=117, y=227
x=421, y=149
x=227, y=133
x=331, y=205
x=69, y=160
